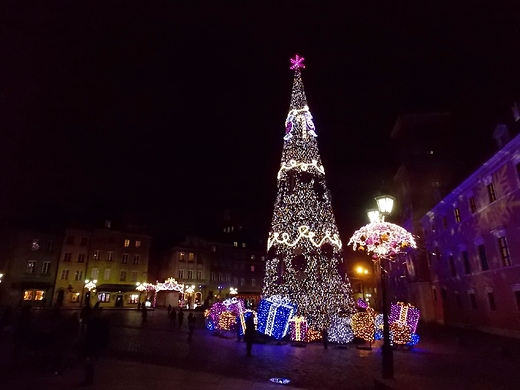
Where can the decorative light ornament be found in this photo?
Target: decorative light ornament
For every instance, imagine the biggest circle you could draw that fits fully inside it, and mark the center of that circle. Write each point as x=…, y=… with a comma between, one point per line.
x=301, y=165
x=90, y=284
x=305, y=234
x=297, y=62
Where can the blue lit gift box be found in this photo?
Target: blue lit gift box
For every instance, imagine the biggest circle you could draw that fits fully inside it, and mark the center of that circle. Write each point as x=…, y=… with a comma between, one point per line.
x=274, y=314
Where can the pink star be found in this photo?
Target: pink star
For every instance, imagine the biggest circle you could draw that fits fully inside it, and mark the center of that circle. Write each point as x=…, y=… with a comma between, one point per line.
x=297, y=62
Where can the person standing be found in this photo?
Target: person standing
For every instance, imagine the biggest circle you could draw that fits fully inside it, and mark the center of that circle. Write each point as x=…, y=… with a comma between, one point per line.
x=181, y=317
x=173, y=317
x=191, y=326
x=84, y=315
x=144, y=314
x=249, y=335
x=169, y=309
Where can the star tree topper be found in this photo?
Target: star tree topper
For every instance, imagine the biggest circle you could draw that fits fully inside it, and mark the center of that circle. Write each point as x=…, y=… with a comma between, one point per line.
x=297, y=62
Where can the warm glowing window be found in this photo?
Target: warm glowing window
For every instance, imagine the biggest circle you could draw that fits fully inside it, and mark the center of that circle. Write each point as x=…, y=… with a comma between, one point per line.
x=74, y=297
x=39, y=295
x=127, y=243
x=457, y=214
x=191, y=256
x=182, y=256
x=235, y=244
x=137, y=243
x=133, y=298
x=28, y=295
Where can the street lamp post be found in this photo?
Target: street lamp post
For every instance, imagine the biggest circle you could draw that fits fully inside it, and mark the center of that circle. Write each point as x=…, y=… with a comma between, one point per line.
x=220, y=292
x=383, y=241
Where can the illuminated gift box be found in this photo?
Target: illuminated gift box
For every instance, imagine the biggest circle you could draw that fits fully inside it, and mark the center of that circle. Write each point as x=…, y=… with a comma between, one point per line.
x=340, y=330
x=226, y=321
x=274, y=314
x=298, y=329
x=241, y=320
x=405, y=314
x=213, y=315
x=234, y=305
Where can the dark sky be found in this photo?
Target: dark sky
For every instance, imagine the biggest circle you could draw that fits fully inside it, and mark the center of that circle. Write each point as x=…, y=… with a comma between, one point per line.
x=174, y=110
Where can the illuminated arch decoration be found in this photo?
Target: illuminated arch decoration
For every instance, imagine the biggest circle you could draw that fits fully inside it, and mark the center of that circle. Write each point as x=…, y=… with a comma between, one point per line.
x=170, y=284
x=303, y=233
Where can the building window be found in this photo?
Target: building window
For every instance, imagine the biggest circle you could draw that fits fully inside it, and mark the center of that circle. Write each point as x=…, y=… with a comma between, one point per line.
x=83, y=241
x=213, y=248
x=228, y=277
x=97, y=255
x=235, y=281
x=465, y=260
x=94, y=274
x=252, y=257
x=78, y=275
x=124, y=258
x=445, y=222
x=28, y=295
x=64, y=274
x=181, y=274
x=252, y=268
x=67, y=257
x=122, y=276
x=31, y=264
x=472, y=205
x=110, y=256
x=45, y=267
x=182, y=256
x=81, y=258
x=504, y=251
x=103, y=297
x=491, y=193
x=127, y=243
x=483, y=258
x=137, y=243
x=473, y=300
x=220, y=277
x=133, y=298
x=136, y=259
x=212, y=276
x=190, y=274
x=253, y=282
x=191, y=257
x=235, y=244
x=242, y=282
x=70, y=240
x=50, y=246
x=106, y=274
x=134, y=276
x=491, y=300
x=452, y=266
x=199, y=275
x=243, y=245
x=457, y=214
x=74, y=297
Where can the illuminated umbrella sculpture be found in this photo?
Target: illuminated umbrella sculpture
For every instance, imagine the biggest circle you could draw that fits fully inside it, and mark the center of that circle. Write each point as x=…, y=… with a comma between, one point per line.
x=383, y=241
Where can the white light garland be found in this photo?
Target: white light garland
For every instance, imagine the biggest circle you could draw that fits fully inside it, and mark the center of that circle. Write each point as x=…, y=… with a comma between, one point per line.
x=303, y=166
x=304, y=232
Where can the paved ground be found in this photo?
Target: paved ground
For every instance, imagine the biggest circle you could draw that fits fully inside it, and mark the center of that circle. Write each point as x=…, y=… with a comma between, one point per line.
x=158, y=355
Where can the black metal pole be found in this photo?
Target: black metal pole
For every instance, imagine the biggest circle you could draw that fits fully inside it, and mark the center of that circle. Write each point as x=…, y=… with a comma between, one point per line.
x=387, y=351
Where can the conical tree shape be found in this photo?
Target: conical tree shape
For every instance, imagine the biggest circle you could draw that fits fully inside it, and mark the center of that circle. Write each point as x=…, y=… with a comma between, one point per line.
x=304, y=248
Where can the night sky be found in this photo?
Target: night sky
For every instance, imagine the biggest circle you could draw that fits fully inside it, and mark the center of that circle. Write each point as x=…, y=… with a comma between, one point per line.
x=174, y=110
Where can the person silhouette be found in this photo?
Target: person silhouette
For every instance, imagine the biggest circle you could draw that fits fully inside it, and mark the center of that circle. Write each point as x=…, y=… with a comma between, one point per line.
x=249, y=334
x=191, y=326
x=173, y=317
x=181, y=317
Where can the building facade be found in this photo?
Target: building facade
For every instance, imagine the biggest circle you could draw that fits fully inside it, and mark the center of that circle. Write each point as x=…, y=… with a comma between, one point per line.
x=473, y=253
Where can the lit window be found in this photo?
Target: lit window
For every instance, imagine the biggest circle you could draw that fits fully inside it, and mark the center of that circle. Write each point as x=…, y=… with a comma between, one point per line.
x=122, y=276
x=504, y=251
x=31, y=264
x=243, y=245
x=39, y=295
x=136, y=259
x=133, y=298
x=65, y=274
x=457, y=214
x=124, y=258
x=78, y=275
x=191, y=256
x=45, y=267
x=235, y=244
x=104, y=297
x=137, y=243
x=74, y=297
x=491, y=193
x=182, y=256
x=127, y=243
x=28, y=295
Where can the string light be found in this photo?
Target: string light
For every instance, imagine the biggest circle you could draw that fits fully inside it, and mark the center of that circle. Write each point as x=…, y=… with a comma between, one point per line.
x=304, y=248
x=298, y=326
x=340, y=330
x=273, y=315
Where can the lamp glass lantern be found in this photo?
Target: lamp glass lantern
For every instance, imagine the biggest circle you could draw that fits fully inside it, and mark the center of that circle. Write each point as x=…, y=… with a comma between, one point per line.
x=385, y=204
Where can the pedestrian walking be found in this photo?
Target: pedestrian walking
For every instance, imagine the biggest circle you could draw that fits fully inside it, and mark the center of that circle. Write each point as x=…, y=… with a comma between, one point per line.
x=191, y=326
x=97, y=338
x=181, y=317
x=173, y=317
x=250, y=333
x=169, y=309
x=144, y=314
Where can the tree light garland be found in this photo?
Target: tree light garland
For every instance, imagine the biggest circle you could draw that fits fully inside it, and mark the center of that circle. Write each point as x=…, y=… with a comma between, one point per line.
x=304, y=246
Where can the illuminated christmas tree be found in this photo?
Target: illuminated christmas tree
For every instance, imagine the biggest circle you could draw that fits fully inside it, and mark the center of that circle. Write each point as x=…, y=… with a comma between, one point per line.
x=304, y=247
